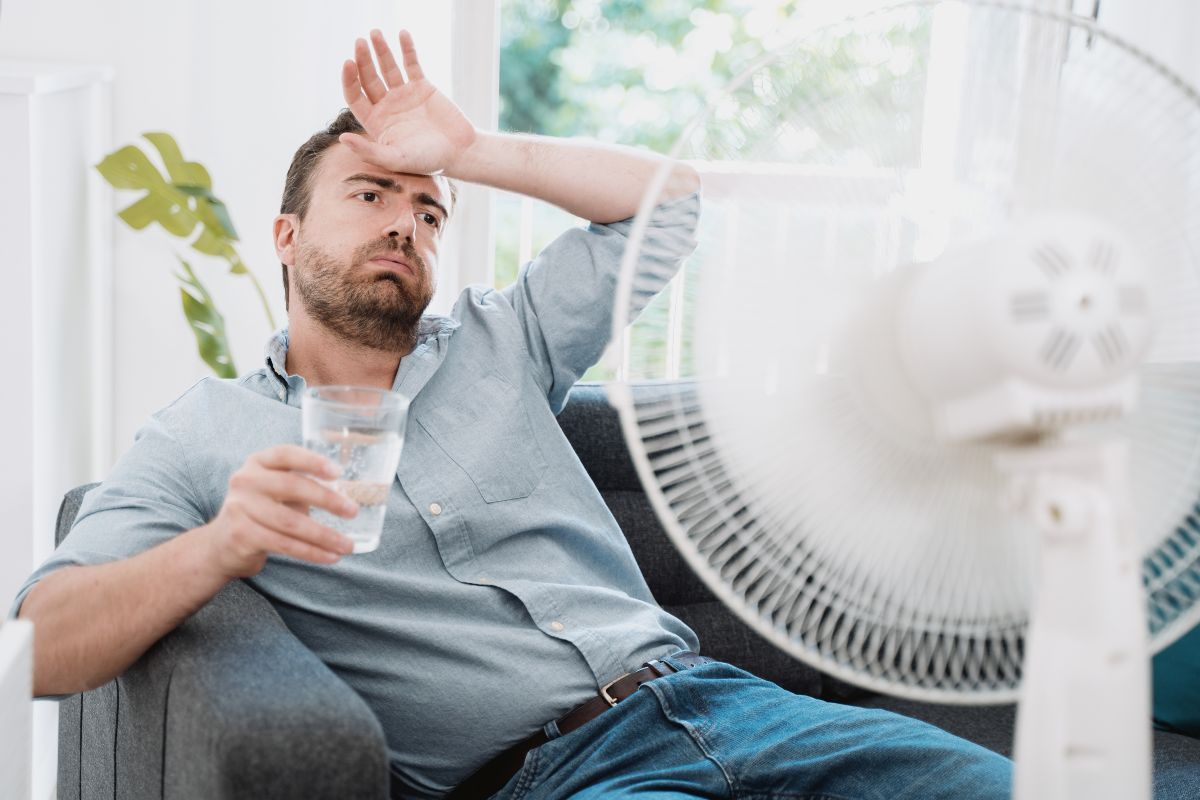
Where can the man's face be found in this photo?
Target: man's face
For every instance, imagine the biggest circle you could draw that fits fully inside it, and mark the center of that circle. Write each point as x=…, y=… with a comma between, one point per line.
x=364, y=258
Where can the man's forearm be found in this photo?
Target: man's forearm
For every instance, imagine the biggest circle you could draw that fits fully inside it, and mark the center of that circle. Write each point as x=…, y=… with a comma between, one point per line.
x=91, y=623
x=599, y=182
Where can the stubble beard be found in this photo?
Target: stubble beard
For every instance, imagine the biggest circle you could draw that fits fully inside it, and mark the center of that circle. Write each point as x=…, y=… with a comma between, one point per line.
x=378, y=310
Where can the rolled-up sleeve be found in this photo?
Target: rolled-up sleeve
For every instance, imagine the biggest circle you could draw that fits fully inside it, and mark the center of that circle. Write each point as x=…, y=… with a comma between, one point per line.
x=564, y=297
x=147, y=500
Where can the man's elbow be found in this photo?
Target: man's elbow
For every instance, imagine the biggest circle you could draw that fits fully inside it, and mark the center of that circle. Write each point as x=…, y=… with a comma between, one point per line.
x=48, y=679
x=684, y=180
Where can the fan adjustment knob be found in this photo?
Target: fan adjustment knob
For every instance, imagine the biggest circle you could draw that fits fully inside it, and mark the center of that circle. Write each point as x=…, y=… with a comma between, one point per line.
x=1062, y=506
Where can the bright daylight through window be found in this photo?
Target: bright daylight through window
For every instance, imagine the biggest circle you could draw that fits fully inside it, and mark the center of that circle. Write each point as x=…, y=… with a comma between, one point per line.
x=639, y=72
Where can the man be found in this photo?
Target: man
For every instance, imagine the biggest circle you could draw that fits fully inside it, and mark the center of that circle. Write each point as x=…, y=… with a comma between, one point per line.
x=502, y=583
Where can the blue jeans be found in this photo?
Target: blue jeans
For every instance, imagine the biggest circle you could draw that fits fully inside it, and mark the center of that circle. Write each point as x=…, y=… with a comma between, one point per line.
x=717, y=731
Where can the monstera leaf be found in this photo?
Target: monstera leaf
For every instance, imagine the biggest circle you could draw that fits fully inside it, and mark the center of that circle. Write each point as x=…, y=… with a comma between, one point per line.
x=192, y=179
x=184, y=205
x=129, y=168
x=207, y=323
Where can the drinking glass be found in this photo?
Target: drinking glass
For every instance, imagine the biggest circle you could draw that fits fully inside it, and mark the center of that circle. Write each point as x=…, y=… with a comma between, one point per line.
x=361, y=430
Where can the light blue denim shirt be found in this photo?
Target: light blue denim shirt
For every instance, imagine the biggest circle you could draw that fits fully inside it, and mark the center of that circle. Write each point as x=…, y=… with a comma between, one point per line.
x=503, y=592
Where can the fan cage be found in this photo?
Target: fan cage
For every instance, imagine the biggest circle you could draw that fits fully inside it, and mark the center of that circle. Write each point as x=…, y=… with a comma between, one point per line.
x=756, y=560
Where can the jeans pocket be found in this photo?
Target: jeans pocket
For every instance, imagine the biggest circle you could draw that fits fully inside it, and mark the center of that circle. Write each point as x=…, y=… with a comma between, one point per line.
x=486, y=431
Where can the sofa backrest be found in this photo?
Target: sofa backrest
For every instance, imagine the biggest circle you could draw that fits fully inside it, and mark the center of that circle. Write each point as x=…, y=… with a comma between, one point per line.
x=68, y=509
x=593, y=428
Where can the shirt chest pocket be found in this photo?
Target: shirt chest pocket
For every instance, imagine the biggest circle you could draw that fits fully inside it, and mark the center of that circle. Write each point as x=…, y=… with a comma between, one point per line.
x=486, y=431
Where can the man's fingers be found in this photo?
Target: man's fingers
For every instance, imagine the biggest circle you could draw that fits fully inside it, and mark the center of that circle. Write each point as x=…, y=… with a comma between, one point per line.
x=387, y=63
x=292, y=487
x=408, y=52
x=367, y=76
x=294, y=525
x=297, y=458
x=286, y=545
x=352, y=91
x=372, y=152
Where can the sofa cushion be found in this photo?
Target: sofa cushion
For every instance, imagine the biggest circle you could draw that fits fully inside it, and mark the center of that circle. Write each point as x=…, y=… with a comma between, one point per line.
x=593, y=428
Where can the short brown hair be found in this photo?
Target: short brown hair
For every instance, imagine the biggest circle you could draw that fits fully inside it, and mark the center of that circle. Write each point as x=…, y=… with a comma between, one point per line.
x=297, y=189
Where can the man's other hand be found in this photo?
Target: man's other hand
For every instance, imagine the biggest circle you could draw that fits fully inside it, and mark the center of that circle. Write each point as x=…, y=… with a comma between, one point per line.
x=266, y=511
x=411, y=126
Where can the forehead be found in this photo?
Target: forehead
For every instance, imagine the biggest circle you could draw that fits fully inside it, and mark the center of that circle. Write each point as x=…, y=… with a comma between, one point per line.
x=339, y=163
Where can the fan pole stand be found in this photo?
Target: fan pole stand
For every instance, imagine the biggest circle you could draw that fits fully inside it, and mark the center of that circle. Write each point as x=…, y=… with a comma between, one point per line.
x=1083, y=724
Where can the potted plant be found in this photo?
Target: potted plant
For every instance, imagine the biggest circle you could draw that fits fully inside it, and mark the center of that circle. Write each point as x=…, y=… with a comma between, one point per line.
x=183, y=203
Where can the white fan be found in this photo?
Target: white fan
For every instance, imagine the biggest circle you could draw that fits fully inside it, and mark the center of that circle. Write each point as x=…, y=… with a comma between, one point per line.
x=929, y=413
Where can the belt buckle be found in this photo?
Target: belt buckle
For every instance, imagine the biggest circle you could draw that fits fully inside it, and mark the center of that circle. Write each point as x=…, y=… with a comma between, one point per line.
x=660, y=669
x=608, y=698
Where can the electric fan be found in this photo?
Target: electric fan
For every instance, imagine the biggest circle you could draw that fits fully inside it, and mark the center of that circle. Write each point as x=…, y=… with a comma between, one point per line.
x=923, y=408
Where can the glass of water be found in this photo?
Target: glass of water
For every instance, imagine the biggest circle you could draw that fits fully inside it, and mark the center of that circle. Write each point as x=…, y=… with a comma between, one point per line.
x=362, y=431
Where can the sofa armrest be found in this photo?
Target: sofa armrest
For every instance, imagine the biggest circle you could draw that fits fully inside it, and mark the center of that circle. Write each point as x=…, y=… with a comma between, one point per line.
x=231, y=705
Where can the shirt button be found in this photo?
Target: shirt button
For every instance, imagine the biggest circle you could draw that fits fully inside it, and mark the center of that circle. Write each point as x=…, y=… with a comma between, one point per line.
x=435, y=509
x=557, y=626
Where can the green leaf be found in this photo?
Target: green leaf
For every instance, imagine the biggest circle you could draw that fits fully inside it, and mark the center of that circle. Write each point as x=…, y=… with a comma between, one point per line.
x=214, y=209
x=140, y=214
x=129, y=168
x=222, y=213
x=168, y=208
x=207, y=323
x=211, y=211
x=179, y=206
x=209, y=244
x=182, y=172
x=218, y=246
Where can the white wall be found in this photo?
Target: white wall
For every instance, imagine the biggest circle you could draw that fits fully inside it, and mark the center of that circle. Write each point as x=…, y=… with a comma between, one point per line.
x=240, y=85
x=1166, y=29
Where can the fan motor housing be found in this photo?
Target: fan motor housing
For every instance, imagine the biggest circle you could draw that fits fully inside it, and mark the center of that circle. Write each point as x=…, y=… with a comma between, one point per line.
x=1029, y=331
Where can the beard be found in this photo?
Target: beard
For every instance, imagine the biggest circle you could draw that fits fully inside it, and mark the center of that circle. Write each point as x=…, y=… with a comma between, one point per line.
x=376, y=310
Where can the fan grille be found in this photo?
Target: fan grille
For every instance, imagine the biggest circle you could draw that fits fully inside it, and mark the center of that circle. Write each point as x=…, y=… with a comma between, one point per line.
x=841, y=530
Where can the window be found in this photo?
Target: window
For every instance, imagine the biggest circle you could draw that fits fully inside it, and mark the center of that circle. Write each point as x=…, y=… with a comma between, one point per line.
x=638, y=73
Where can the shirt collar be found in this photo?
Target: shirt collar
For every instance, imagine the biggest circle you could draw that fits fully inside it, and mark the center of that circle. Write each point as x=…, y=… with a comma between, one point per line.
x=277, y=347
x=430, y=325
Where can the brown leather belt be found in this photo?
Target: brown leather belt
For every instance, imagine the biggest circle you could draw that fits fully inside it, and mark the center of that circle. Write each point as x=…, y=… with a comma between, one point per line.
x=491, y=777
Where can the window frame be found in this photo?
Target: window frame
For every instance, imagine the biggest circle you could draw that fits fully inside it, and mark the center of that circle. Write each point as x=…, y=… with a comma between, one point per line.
x=475, y=87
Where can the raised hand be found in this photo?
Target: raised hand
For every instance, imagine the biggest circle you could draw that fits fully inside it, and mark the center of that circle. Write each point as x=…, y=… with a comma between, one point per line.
x=411, y=126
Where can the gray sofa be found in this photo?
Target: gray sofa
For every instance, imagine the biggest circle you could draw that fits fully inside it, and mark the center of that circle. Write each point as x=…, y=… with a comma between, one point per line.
x=231, y=705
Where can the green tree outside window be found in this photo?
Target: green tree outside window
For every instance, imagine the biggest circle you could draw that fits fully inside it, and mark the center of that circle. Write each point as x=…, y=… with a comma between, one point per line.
x=638, y=72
